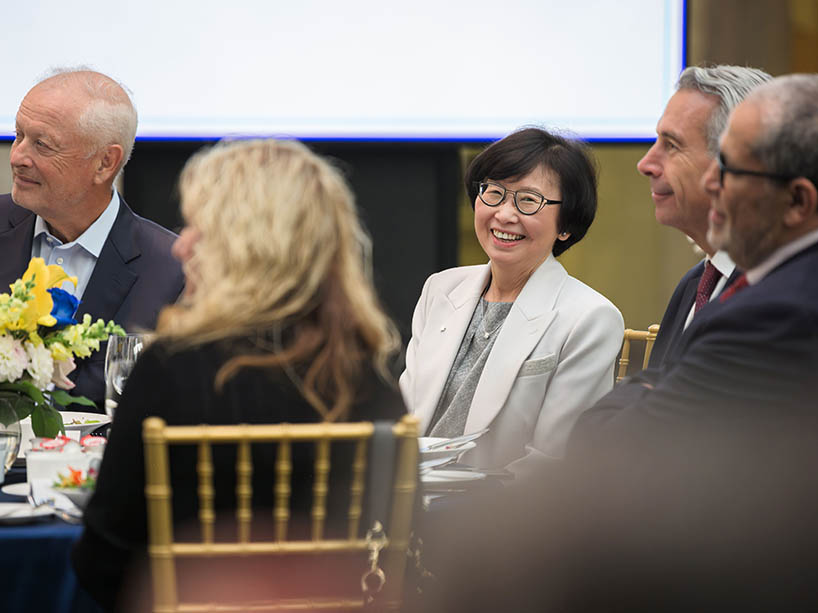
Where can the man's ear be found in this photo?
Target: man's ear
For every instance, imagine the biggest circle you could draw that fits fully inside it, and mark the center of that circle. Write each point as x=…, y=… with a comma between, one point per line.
x=804, y=204
x=109, y=161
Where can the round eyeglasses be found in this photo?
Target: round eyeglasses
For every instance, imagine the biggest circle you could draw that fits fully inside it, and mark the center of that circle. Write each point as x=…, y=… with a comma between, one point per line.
x=526, y=201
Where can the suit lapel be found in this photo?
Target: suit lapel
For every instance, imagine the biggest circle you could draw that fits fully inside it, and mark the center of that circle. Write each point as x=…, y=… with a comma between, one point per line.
x=673, y=320
x=446, y=327
x=17, y=241
x=527, y=321
x=112, y=278
x=688, y=298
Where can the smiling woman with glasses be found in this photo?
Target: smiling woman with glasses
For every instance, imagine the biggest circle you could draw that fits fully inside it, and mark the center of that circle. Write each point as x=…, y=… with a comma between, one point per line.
x=515, y=345
x=525, y=201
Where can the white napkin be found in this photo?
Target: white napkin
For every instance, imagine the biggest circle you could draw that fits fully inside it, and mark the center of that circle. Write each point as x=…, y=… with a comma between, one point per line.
x=42, y=492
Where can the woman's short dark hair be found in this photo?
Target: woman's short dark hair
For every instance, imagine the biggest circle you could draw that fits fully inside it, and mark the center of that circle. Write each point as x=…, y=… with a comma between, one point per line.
x=523, y=151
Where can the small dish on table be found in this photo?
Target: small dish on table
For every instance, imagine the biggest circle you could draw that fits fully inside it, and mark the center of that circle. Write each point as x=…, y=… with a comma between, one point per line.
x=22, y=513
x=16, y=489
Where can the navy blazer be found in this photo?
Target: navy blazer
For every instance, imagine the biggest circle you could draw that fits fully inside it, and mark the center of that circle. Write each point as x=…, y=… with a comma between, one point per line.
x=134, y=277
x=672, y=327
x=704, y=469
x=751, y=357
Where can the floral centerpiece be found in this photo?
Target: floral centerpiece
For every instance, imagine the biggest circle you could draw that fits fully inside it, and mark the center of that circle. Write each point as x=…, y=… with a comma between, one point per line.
x=39, y=339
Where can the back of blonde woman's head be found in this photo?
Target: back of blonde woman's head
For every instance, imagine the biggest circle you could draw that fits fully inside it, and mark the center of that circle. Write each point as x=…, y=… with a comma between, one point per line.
x=280, y=242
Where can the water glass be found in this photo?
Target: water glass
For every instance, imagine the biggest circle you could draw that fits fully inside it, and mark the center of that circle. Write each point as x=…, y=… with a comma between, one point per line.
x=120, y=359
x=9, y=445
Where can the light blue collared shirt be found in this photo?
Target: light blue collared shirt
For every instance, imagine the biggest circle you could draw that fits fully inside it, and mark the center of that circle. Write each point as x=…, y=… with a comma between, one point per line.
x=79, y=257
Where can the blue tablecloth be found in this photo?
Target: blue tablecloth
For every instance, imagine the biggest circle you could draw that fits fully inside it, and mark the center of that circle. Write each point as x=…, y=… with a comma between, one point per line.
x=35, y=565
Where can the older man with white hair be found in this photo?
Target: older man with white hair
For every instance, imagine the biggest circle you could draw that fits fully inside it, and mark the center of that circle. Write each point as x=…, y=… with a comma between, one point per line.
x=75, y=132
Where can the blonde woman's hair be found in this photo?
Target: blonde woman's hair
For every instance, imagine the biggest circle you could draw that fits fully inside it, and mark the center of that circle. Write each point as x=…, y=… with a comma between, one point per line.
x=281, y=248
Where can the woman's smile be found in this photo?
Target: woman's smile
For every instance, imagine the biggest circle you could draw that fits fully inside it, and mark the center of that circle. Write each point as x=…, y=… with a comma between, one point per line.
x=507, y=237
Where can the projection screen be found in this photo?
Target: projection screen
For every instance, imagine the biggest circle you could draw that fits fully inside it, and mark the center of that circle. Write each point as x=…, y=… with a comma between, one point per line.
x=361, y=69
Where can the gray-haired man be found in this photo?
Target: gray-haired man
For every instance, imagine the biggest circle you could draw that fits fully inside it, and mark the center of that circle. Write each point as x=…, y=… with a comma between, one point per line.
x=74, y=133
x=686, y=144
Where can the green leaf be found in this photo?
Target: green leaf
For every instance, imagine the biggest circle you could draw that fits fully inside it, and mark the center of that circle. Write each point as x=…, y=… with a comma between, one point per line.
x=18, y=401
x=63, y=398
x=23, y=405
x=7, y=413
x=27, y=388
x=46, y=421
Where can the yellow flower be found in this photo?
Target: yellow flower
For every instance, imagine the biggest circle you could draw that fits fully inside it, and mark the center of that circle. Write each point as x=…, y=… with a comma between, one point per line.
x=73, y=335
x=38, y=310
x=59, y=352
x=56, y=276
x=5, y=315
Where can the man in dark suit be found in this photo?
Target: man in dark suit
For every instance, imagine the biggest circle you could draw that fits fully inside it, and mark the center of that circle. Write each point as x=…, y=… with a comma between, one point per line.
x=686, y=144
x=706, y=467
x=74, y=133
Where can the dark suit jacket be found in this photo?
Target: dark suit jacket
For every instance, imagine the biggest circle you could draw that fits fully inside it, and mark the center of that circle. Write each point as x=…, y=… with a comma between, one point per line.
x=754, y=355
x=671, y=329
x=135, y=276
x=702, y=485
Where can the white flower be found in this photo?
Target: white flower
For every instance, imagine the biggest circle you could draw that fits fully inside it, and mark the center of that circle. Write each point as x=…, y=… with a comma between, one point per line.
x=61, y=371
x=41, y=366
x=13, y=359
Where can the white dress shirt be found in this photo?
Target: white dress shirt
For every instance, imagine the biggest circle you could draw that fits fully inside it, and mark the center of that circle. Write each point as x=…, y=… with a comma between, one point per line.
x=79, y=257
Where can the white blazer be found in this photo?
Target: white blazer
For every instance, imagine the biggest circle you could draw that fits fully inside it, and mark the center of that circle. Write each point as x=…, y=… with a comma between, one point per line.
x=553, y=358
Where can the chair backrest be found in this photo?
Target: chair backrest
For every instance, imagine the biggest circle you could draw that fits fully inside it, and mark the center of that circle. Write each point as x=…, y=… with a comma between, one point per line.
x=164, y=550
x=647, y=336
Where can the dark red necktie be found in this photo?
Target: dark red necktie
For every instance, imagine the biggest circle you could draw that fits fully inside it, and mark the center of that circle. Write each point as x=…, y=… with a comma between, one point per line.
x=737, y=286
x=707, y=283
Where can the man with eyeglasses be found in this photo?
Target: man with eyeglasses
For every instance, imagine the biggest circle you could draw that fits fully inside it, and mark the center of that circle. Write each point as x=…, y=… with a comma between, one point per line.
x=686, y=143
x=704, y=471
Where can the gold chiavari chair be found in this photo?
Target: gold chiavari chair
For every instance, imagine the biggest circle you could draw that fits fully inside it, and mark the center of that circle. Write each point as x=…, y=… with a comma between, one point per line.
x=164, y=551
x=647, y=336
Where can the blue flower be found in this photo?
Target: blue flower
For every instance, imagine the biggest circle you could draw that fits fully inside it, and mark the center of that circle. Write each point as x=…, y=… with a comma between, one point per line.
x=65, y=306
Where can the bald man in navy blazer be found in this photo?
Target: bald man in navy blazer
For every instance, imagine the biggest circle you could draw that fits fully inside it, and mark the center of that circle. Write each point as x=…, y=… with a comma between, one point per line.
x=74, y=133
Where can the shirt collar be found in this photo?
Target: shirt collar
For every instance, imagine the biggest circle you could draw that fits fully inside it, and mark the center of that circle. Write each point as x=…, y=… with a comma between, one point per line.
x=754, y=275
x=722, y=262
x=95, y=235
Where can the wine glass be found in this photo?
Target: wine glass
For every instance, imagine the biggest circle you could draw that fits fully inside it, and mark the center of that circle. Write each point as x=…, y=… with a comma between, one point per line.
x=120, y=359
